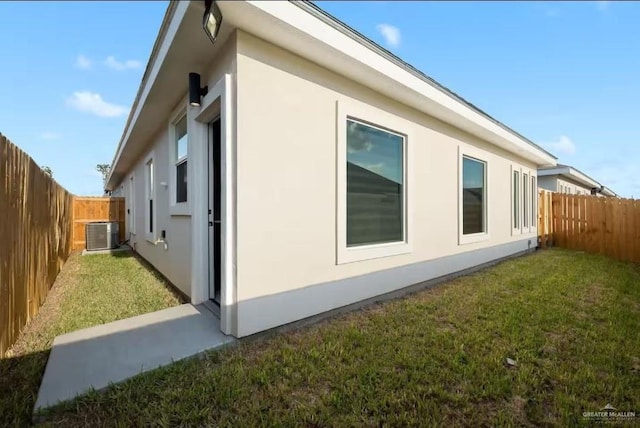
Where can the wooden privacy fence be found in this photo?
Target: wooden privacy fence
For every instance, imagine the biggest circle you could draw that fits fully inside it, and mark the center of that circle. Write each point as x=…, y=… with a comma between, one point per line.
x=91, y=209
x=40, y=224
x=609, y=226
x=35, y=238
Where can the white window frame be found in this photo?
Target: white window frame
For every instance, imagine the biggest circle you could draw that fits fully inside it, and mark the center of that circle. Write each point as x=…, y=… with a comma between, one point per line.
x=150, y=236
x=526, y=225
x=132, y=204
x=371, y=116
x=534, y=202
x=516, y=229
x=532, y=195
x=482, y=156
x=178, y=208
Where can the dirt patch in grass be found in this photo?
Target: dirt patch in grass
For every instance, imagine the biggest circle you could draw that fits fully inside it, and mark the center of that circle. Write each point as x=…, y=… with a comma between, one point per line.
x=33, y=336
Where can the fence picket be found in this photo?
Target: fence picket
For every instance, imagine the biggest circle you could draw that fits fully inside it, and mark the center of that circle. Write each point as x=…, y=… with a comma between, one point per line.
x=37, y=231
x=609, y=226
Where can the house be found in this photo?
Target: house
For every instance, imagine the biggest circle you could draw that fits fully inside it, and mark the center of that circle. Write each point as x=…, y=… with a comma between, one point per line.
x=315, y=171
x=567, y=179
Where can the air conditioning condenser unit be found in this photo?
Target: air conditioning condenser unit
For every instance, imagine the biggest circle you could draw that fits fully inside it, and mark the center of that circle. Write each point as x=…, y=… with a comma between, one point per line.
x=102, y=235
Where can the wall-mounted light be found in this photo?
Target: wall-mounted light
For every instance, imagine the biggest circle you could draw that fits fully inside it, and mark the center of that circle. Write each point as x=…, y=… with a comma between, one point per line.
x=212, y=19
x=195, y=91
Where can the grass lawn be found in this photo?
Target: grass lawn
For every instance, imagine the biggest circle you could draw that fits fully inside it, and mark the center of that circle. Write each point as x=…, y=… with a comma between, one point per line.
x=89, y=290
x=570, y=320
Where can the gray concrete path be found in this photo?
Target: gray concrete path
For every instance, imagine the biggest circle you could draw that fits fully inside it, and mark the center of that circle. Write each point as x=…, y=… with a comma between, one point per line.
x=98, y=356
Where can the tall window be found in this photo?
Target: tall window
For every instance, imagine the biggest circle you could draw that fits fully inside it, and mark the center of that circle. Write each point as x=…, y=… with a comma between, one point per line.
x=525, y=200
x=516, y=200
x=534, y=197
x=181, y=142
x=132, y=206
x=150, y=196
x=473, y=196
x=375, y=185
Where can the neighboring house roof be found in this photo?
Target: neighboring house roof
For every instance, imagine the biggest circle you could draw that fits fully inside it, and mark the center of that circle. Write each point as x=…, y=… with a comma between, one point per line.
x=608, y=192
x=307, y=31
x=574, y=174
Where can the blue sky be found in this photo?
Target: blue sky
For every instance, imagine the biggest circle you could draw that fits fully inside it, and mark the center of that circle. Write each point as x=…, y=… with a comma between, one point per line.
x=563, y=74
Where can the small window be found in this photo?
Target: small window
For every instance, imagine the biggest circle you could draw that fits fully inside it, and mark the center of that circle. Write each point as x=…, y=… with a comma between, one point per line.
x=525, y=200
x=150, y=196
x=473, y=196
x=132, y=206
x=375, y=185
x=181, y=143
x=534, y=200
x=516, y=199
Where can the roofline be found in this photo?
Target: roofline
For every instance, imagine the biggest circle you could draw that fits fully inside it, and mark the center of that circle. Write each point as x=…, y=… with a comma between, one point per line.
x=368, y=45
x=164, y=26
x=571, y=172
x=337, y=24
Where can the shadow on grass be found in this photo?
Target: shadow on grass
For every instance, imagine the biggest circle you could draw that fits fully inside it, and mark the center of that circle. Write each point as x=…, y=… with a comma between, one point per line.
x=122, y=254
x=177, y=293
x=183, y=298
x=20, y=378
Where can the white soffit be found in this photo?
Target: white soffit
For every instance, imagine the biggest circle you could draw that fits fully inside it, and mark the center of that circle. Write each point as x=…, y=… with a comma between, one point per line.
x=297, y=30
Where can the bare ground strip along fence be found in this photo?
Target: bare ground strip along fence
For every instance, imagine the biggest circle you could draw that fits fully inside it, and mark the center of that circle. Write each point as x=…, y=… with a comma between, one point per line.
x=35, y=238
x=40, y=224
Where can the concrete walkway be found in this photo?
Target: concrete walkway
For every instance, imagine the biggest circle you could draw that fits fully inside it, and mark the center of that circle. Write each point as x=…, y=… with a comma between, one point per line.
x=110, y=353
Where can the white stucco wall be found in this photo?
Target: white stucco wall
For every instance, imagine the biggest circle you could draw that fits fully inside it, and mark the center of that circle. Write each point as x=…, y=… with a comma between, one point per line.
x=174, y=261
x=553, y=183
x=286, y=178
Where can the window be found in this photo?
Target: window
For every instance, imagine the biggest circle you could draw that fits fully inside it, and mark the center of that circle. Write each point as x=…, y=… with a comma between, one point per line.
x=516, y=199
x=534, y=200
x=181, y=142
x=373, y=177
x=473, y=196
x=150, y=197
x=525, y=200
x=132, y=206
x=375, y=185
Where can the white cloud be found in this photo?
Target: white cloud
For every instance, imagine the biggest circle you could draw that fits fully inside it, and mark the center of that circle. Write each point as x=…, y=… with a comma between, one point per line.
x=83, y=62
x=357, y=140
x=114, y=64
x=562, y=145
x=602, y=5
x=93, y=103
x=378, y=168
x=48, y=135
x=390, y=33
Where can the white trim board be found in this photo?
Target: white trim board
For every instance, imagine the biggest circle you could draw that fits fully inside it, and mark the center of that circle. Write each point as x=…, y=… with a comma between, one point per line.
x=219, y=99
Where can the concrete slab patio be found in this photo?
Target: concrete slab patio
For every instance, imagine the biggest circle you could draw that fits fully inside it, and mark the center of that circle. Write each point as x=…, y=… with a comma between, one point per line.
x=98, y=356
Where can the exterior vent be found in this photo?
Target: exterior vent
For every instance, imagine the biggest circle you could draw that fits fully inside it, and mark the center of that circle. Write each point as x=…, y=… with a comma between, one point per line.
x=102, y=235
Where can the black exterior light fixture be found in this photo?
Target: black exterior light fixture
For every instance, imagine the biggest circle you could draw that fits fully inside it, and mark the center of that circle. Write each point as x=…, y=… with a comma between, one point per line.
x=212, y=19
x=195, y=91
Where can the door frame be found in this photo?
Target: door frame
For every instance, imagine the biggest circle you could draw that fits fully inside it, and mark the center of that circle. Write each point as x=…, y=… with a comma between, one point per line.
x=218, y=101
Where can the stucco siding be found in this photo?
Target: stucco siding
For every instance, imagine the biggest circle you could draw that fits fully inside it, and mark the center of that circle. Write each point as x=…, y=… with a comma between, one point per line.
x=286, y=182
x=553, y=183
x=173, y=260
